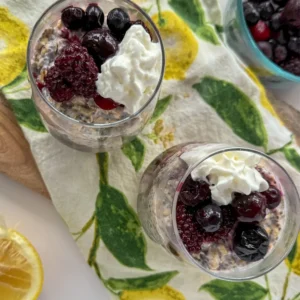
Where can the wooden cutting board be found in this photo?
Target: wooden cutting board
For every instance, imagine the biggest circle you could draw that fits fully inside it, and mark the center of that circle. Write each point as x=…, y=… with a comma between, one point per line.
x=16, y=160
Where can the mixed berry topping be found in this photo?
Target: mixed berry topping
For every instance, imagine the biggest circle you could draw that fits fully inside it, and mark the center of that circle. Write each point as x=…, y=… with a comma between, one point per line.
x=273, y=197
x=250, y=242
x=88, y=45
x=74, y=73
x=209, y=217
x=118, y=21
x=261, y=31
x=291, y=13
x=94, y=17
x=100, y=44
x=200, y=220
x=193, y=235
x=292, y=65
x=105, y=103
x=73, y=17
x=275, y=26
x=194, y=192
x=250, y=208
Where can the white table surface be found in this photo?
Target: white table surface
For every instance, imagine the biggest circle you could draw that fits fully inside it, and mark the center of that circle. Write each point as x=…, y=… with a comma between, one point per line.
x=67, y=275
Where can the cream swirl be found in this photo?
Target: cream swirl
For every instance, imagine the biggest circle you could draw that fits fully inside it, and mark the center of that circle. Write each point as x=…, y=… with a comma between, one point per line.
x=131, y=76
x=227, y=173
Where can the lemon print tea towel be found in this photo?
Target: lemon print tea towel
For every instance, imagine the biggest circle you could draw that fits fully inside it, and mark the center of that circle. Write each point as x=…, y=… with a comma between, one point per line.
x=207, y=96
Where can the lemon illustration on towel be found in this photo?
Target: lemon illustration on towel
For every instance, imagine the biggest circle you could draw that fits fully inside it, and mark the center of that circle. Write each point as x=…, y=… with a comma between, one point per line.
x=164, y=293
x=263, y=94
x=13, y=42
x=293, y=260
x=180, y=44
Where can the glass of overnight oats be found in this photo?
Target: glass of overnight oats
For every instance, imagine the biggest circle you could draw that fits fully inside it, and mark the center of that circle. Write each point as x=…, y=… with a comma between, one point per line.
x=233, y=212
x=96, y=69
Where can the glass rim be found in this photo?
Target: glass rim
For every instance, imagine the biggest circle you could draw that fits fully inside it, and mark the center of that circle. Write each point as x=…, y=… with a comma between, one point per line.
x=174, y=222
x=270, y=64
x=96, y=125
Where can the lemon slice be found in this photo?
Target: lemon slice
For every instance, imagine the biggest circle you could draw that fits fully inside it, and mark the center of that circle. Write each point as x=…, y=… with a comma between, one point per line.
x=21, y=272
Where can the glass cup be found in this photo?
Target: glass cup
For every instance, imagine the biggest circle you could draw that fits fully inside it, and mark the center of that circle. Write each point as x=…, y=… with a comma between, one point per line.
x=82, y=136
x=157, y=201
x=239, y=38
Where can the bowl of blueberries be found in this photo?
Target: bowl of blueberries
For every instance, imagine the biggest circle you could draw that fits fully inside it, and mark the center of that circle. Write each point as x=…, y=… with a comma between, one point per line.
x=266, y=35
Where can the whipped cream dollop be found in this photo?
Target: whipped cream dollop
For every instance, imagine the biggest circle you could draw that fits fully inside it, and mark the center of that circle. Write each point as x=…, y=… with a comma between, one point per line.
x=227, y=173
x=131, y=76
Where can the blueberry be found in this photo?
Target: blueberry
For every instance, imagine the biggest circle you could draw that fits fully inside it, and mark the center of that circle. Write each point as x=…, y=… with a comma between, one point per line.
x=266, y=48
x=118, y=21
x=194, y=192
x=292, y=65
x=294, y=45
x=251, y=14
x=209, y=217
x=293, y=32
x=250, y=242
x=273, y=197
x=273, y=43
x=266, y=10
x=100, y=44
x=276, y=23
x=280, y=2
x=73, y=17
x=250, y=208
x=282, y=37
x=280, y=54
x=291, y=13
x=94, y=17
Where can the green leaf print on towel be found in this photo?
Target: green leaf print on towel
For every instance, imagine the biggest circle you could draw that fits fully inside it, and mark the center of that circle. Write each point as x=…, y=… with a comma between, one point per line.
x=225, y=290
x=297, y=297
x=135, y=151
x=27, y=114
x=207, y=33
x=118, y=224
x=235, y=108
x=292, y=255
x=193, y=14
x=160, y=108
x=191, y=11
x=151, y=282
x=292, y=157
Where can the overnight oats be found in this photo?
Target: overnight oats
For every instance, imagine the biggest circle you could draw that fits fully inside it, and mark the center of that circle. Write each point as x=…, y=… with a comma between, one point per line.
x=230, y=211
x=95, y=70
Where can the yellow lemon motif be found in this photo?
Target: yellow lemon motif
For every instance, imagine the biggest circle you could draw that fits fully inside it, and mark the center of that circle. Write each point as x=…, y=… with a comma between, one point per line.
x=164, y=293
x=160, y=134
x=180, y=44
x=13, y=42
x=296, y=263
x=263, y=95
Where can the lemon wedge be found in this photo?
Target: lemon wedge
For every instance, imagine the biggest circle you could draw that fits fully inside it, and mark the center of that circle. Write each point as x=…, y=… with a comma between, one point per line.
x=21, y=271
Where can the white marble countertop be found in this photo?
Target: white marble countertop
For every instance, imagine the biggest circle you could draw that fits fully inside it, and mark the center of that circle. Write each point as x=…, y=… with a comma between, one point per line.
x=67, y=275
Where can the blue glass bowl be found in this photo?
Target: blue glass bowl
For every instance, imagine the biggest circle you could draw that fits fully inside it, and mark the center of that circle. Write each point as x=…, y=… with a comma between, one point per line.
x=239, y=38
